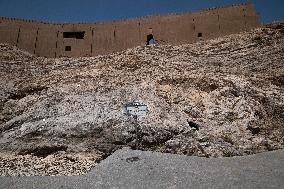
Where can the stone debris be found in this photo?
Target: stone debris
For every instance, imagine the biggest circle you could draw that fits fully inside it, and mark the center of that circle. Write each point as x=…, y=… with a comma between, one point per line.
x=51, y=165
x=230, y=87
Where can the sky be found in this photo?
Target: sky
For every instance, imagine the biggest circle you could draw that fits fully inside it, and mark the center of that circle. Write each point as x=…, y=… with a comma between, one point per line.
x=62, y=11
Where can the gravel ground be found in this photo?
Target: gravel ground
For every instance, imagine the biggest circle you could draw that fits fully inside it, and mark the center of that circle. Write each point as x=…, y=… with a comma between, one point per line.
x=51, y=165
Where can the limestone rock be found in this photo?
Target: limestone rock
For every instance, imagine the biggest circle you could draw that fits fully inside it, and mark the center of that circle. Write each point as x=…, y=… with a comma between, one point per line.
x=61, y=116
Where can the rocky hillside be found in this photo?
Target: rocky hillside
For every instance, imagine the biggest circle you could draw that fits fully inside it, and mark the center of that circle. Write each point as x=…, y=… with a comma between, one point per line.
x=222, y=97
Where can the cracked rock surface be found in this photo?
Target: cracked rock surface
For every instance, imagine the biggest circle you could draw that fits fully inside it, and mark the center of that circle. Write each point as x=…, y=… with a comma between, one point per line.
x=222, y=97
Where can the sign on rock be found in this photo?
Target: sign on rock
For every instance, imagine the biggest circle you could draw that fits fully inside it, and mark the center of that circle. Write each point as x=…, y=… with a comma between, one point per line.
x=136, y=109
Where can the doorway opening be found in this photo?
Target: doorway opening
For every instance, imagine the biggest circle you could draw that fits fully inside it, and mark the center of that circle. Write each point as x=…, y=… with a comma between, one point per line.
x=150, y=39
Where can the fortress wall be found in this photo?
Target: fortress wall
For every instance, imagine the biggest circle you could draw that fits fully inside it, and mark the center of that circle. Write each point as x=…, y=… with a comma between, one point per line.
x=207, y=24
x=46, y=39
x=131, y=32
x=27, y=39
x=102, y=40
x=9, y=33
x=113, y=37
x=252, y=18
x=46, y=42
x=144, y=26
x=172, y=29
x=244, y=18
x=24, y=34
x=232, y=21
x=79, y=47
x=187, y=29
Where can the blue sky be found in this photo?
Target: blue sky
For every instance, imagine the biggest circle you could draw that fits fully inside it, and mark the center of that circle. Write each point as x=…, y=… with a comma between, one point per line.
x=104, y=10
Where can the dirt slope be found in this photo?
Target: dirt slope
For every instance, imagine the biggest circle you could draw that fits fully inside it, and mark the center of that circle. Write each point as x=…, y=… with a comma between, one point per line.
x=54, y=109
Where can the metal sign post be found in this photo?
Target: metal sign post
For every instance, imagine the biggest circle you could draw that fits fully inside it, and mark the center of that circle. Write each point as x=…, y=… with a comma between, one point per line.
x=136, y=109
x=137, y=131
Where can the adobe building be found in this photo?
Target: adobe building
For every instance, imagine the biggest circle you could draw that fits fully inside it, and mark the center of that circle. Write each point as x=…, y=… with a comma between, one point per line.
x=84, y=39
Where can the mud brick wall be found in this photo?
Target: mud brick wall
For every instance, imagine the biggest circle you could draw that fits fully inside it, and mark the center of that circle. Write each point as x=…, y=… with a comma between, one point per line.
x=47, y=39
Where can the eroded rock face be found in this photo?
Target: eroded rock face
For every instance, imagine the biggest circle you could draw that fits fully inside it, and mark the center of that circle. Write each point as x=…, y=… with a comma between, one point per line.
x=231, y=87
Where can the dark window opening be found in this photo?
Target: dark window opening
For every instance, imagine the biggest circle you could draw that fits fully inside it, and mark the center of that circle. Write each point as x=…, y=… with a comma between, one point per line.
x=76, y=35
x=67, y=48
x=199, y=35
x=150, y=39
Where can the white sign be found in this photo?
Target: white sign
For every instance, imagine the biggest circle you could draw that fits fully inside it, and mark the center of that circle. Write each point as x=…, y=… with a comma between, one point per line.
x=136, y=109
